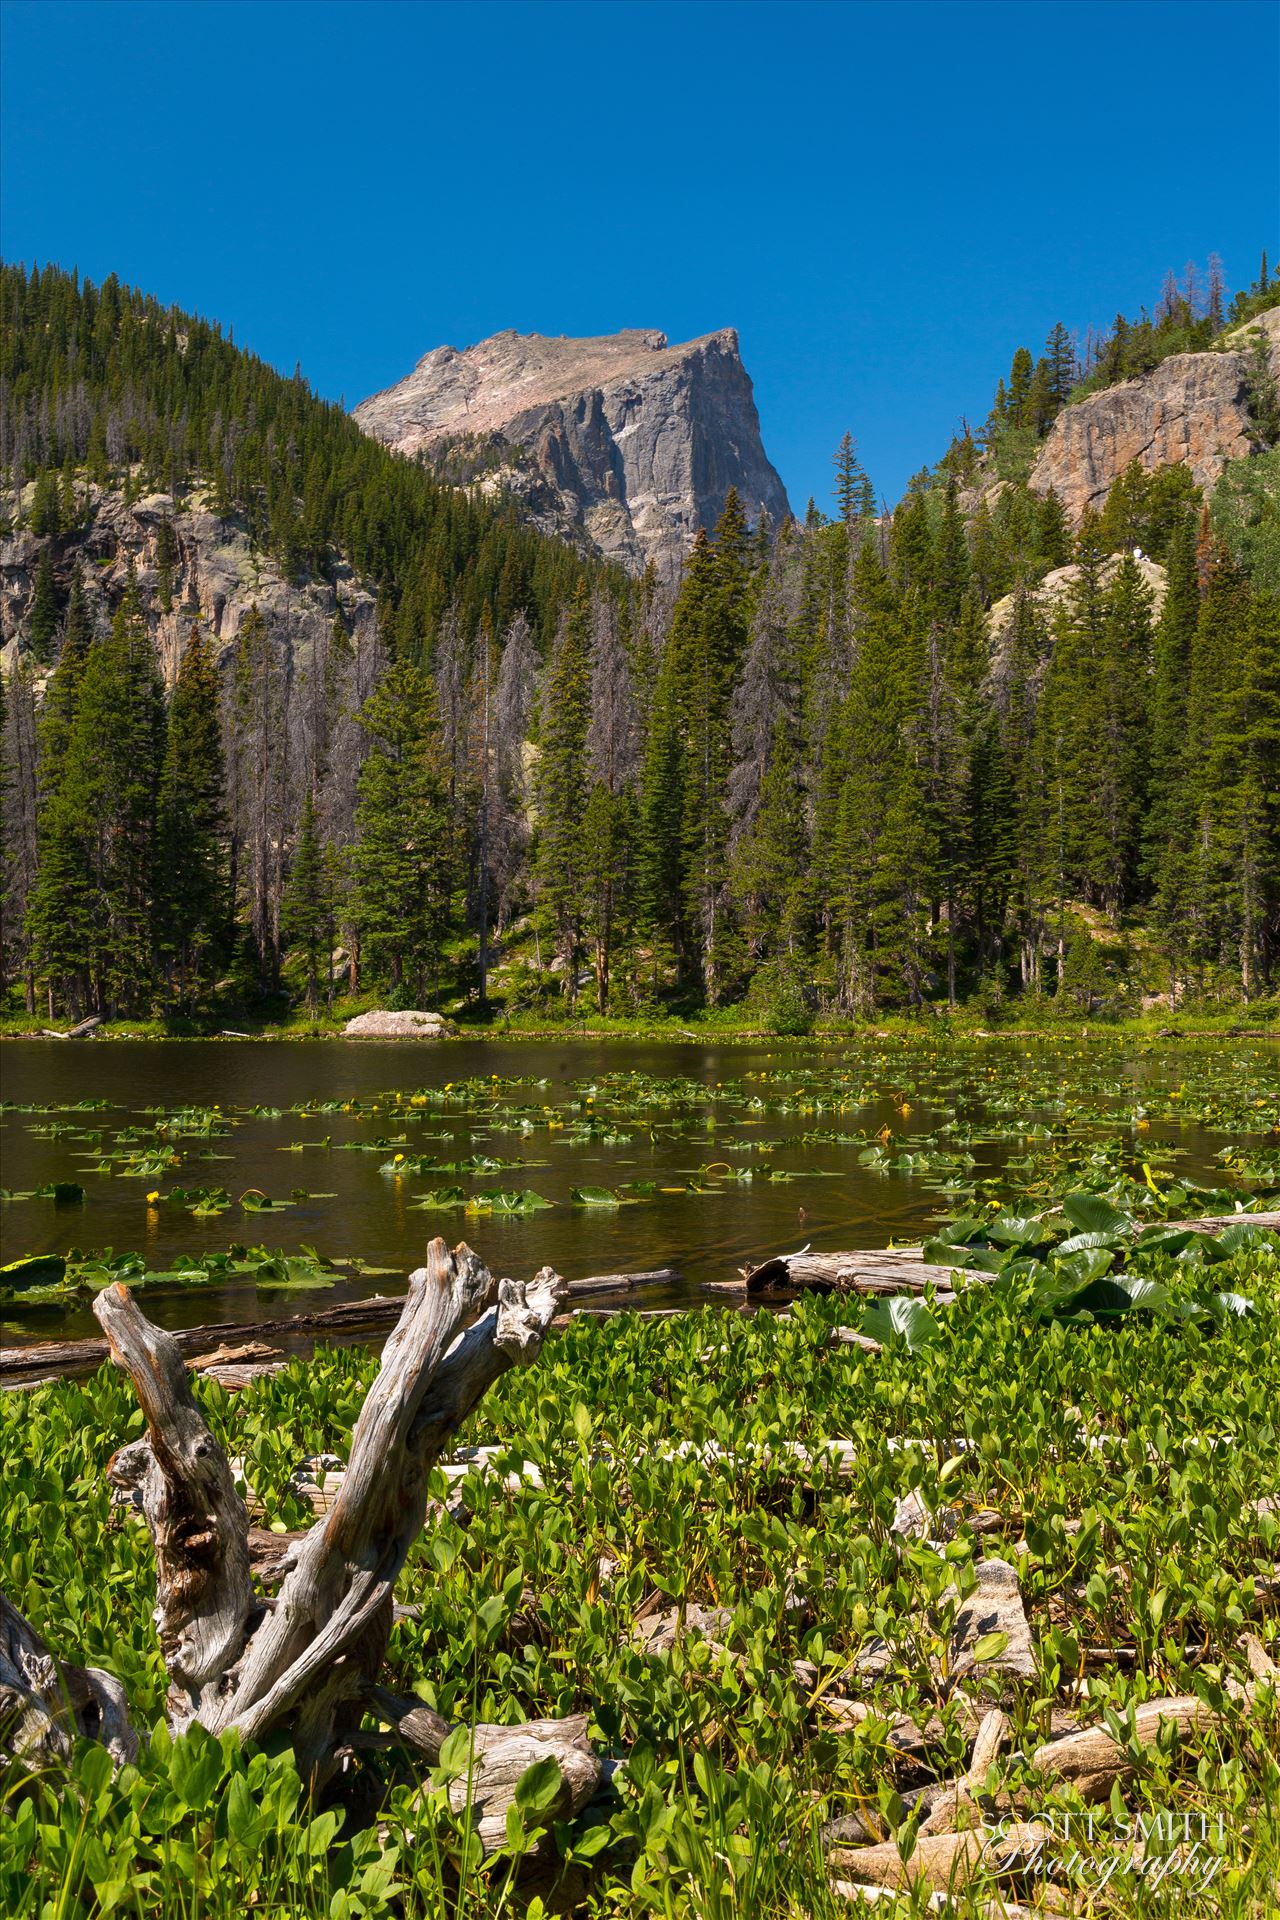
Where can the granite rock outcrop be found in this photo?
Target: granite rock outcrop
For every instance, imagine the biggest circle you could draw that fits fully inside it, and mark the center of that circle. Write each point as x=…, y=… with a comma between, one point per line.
x=215, y=577
x=622, y=442
x=1194, y=409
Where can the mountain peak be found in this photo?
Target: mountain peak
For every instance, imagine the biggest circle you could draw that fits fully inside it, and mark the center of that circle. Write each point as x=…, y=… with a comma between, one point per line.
x=621, y=440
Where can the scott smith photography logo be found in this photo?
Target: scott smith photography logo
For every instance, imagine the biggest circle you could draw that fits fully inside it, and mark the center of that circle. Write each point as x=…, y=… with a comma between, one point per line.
x=1098, y=1848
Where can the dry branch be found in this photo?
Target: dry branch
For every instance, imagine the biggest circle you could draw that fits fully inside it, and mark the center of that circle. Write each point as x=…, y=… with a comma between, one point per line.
x=962, y=1795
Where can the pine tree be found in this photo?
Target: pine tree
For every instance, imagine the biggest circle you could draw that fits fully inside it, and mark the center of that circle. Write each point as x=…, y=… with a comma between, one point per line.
x=1041, y=404
x=1060, y=353
x=607, y=827
x=401, y=867
x=258, y=764
x=45, y=613
x=950, y=566
x=709, y=631
x=660, y=853
x=770, y=861
x=90, y=917
x=612, y=747
x=193, y=903
x=1019, y=396
x=166, y=554
x=1124, y=745
x=1053, y=536
x=46, y=508
x=884, y=859
x=853, y=490
x=1233, y=725
x=1169, y=824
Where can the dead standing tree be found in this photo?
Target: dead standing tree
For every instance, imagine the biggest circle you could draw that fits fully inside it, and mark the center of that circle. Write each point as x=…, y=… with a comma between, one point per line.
x=307, y=1662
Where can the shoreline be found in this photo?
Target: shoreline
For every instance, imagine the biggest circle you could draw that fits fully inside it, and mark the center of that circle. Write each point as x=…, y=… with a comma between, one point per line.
x=940, y=1029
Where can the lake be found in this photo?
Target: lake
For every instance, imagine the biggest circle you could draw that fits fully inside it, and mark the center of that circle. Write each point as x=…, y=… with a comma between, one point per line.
x=724, y=1152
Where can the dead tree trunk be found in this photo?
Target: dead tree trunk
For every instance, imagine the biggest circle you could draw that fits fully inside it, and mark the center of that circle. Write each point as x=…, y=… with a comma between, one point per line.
x=309, y=1662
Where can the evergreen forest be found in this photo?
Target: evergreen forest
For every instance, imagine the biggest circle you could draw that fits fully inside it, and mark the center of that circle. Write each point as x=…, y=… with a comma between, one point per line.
x=856, y=764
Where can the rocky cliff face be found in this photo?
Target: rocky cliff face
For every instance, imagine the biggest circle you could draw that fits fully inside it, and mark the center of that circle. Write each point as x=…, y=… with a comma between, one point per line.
x=621, y=441
x=1194, y=409
x=215, y=578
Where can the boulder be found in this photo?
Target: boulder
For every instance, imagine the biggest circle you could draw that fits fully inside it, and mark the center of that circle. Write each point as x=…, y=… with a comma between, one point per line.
x=1055, y=587
x=381, y=1024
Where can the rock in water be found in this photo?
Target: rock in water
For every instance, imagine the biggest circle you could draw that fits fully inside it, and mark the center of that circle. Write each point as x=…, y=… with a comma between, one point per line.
x=623, y=442
x=1194, y=409
x=382, y=1025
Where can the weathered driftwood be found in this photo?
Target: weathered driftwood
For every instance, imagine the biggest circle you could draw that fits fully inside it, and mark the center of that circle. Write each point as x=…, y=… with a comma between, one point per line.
x=874, y=1271
x=624, y=1282
x=349, y=1320
x=499, y=1756
x=904, y=1269
x=309, y=1661
x=1092, y=1759
x=959, y=1797
x=944, y=1861
x=850, y=1337
x=80, y=1031
x=1217, y=1222
x=45, y=1703
x=237, y=1365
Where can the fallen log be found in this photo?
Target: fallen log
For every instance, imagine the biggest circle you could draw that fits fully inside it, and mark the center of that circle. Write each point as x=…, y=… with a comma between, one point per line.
x=307, y=1664
x=81, y=1030
x=500, y=1755
x=904, y=1269
x=624, y=1282
x=348, y=1320
x=237, y=1365
x=874, y=1271
x=1092, y=1759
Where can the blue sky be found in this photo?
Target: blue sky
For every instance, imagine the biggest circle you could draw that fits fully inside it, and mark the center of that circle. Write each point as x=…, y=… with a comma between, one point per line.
x=885, y=200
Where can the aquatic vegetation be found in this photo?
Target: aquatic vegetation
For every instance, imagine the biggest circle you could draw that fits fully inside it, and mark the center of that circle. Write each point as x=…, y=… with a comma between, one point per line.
x=60, y=1283
x=646, y=1472
x=874, y=1139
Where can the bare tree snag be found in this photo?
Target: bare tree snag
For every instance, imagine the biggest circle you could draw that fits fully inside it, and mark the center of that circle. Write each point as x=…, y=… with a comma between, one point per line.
x=197, y=1519
x=309, y=1661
